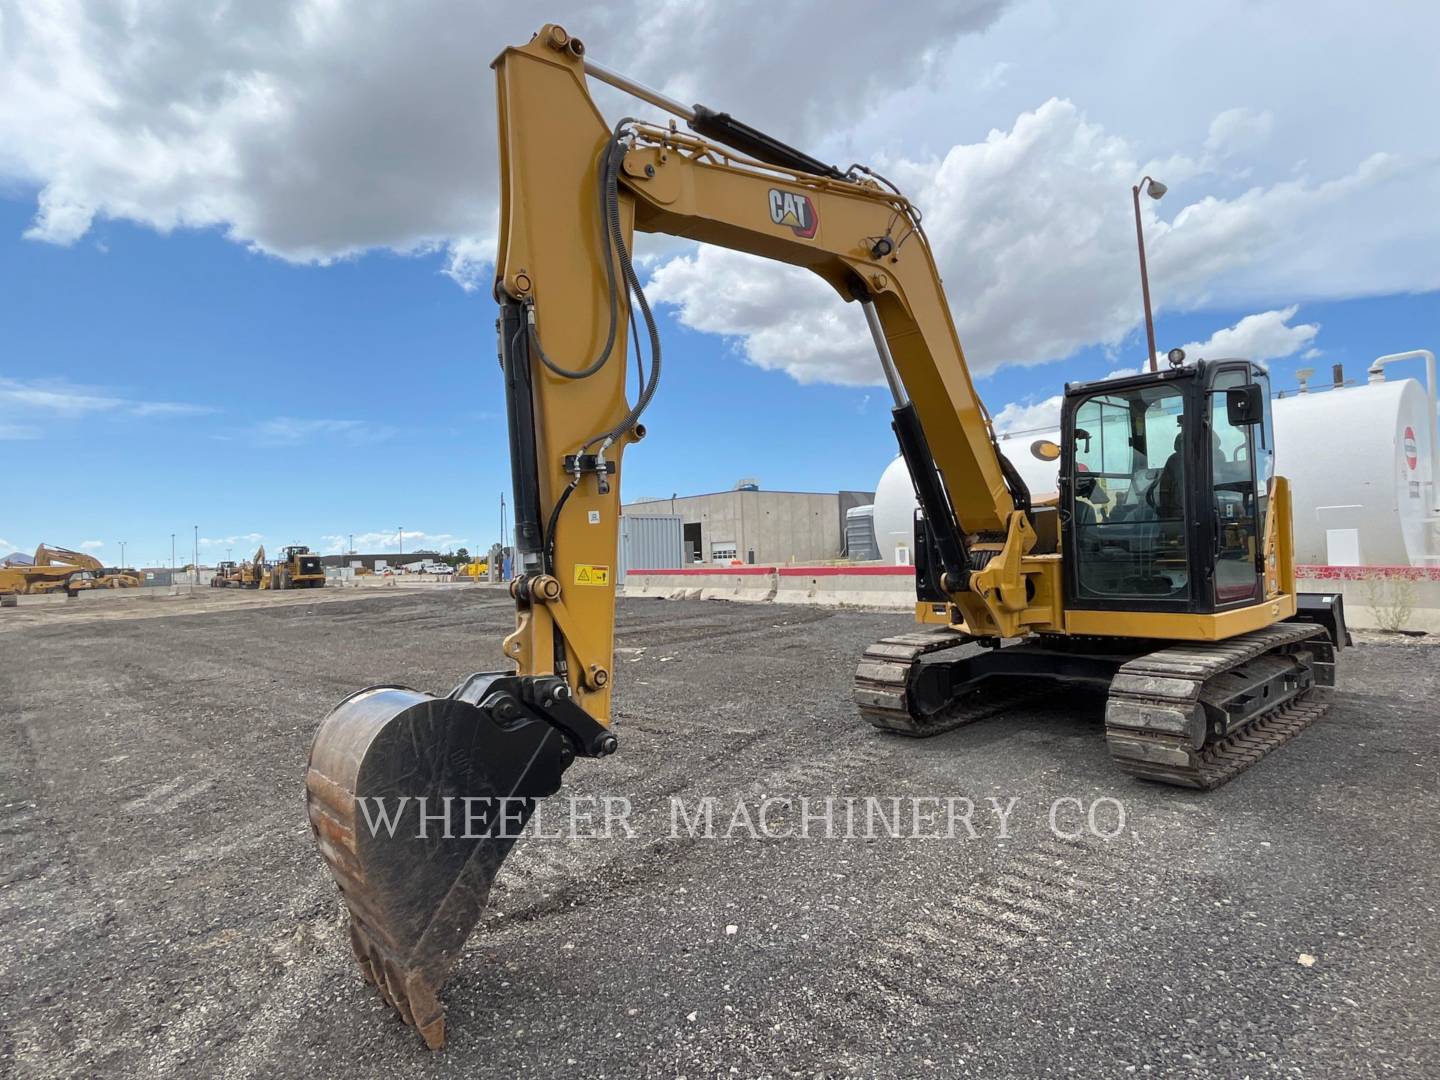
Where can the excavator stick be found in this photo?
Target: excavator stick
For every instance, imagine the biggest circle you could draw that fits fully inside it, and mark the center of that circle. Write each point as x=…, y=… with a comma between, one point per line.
x=415, y=801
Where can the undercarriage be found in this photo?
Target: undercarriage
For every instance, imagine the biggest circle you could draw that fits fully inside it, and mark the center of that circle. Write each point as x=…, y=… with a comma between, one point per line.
x=1192, y=714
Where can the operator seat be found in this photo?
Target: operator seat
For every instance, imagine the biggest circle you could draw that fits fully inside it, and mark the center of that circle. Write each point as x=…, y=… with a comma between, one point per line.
x=1169, y=500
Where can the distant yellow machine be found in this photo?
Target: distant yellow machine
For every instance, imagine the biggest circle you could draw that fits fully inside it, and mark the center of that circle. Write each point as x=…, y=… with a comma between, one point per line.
x=299, y=569
x=476, y=568
x=226, y=576
x=55, y=569
x=253, y=574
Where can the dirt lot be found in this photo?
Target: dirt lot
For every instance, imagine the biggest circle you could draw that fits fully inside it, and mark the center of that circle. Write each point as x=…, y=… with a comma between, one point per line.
x=165, y=915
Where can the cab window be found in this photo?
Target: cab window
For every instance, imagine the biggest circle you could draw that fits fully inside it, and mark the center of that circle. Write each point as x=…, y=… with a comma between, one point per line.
x=1128, y=501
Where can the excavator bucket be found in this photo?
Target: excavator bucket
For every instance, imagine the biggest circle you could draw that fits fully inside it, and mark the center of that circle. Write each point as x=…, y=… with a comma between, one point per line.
x=415, y=800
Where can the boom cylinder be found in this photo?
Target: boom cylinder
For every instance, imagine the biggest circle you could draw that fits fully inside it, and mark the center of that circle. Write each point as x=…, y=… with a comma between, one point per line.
x=520, y=408
x=882, y=347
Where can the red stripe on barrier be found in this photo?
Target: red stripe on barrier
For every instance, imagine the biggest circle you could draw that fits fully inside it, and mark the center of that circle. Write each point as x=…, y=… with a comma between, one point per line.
x=1368, y=573
x=847, y=571
x=706, y=571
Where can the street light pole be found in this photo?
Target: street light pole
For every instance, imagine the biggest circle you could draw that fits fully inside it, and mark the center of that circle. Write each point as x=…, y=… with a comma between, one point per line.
x=122, y=552
x=1155, y=189
x=196, y=564
x=400, y=532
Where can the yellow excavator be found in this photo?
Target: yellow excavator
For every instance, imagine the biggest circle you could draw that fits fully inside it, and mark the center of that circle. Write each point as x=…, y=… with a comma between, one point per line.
x=57, y=569
x=1162, y=573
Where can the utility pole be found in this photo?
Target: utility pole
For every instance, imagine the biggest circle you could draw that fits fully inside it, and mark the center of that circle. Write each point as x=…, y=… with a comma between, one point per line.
x=400, y=532
x=196, y=563
x=172, y=557
x=1155, y=189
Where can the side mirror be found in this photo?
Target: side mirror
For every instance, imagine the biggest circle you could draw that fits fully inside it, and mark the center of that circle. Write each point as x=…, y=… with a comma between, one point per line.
x=1045, y=450
x=1245, y=405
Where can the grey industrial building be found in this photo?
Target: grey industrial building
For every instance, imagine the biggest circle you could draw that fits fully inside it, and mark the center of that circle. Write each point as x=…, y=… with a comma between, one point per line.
x=754, y=526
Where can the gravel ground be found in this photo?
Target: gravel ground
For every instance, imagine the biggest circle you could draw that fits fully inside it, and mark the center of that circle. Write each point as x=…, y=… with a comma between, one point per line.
x=165, y=914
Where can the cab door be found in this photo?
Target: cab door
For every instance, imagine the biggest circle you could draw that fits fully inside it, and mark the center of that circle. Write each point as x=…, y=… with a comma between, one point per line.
x=1239, y=467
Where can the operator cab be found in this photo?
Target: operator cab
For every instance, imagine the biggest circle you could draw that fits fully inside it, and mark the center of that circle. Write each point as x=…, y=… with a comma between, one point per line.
x=1164, y=486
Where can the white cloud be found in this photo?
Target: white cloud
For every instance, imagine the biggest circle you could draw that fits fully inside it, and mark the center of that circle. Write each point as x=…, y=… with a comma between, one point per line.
x=1018, y=416
x=1033, y=234
x=58, y=399
x=1237, y=131
x=291, y=431
x=317, y=130
x=1266, y=336
x=787, y=319
x=92, y=545
x=381, y=540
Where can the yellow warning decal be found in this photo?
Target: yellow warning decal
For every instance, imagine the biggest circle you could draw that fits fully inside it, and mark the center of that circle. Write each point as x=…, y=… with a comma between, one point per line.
x=591, y=575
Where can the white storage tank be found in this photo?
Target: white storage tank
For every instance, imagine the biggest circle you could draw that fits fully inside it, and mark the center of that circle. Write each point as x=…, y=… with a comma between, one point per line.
x=1359, y=464
x=895, y=495
x=894, y=514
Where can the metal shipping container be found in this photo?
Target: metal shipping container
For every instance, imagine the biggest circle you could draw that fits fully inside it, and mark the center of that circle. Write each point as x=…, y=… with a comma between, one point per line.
x=650, y=542
x=860, y=543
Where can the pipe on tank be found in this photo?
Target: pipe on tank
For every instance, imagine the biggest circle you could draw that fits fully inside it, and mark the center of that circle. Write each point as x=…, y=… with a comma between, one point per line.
x=1377, y=374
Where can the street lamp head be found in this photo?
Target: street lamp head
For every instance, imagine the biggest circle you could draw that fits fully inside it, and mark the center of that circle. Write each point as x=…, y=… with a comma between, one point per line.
x=1154, y=188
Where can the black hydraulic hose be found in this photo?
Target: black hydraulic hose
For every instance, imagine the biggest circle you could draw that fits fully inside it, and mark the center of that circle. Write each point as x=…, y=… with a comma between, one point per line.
x=609, y=205
x=633, y=288
x=550, y=527
x=613, y=249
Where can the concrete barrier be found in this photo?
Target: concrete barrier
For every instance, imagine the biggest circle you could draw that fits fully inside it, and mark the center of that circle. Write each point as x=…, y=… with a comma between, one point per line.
x=1380, y=597
x=885, y=587
x=752, y=584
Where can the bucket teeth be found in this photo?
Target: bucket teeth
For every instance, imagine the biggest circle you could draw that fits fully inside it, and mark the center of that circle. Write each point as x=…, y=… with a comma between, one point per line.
x=414, y=893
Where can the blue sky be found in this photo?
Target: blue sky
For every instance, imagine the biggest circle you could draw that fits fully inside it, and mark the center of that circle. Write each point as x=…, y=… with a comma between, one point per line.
x=245, y=255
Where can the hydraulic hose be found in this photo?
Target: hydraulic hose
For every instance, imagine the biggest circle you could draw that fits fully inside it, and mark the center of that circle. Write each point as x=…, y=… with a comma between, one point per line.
x=612, y=249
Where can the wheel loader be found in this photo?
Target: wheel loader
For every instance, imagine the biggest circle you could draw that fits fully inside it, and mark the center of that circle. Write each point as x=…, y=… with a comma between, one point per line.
x=299, y=569
x=1162, y=574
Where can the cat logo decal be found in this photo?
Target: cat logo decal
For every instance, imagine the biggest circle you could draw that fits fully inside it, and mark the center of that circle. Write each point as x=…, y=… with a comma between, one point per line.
x=794, y=210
